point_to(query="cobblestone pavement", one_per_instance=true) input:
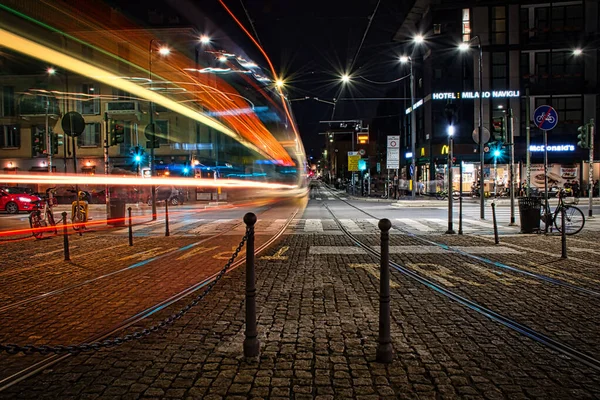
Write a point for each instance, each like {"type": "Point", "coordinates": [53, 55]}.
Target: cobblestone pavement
{"type": "Point", "coordinates": [318, 330]}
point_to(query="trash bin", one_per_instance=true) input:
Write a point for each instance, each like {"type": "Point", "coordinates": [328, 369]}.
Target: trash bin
{"type": "Point", "coordinates": [529, 210]}
{"type": "Point", "coordinates": [117, 212]}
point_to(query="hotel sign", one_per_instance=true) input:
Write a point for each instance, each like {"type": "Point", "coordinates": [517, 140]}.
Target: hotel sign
{"type": "Point", "coordinates": [495, 94]}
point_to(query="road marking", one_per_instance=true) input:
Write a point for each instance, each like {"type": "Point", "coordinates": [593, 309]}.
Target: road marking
{"type": "Point", "coordinates": [373, 269]}
{"type": "Point", "coordinates": [318, 198]}
{"type": "Point", "coordinates": [279, 255]}
{"type": "Point", "coordinates": [414, 224]}
{"type": "Point", "coordinates": [336, 250]}
{"type": "Point", "coordinates": [141, 225]}
{"type": "Point", "coordinates": [216, 225]}
{"type": "Point", "coordinates": [313, 225]}
{"type": "Point", "coordinates": [439, 273]}
{"type": "Point", "coordinates": [196, 251]}
{"type": "Point", "coordinates": [350, 225]}
{"type": "Point", "coordinates": [153, 252]}
{"type": "Point", "coordinates": [417, 249]}
{"type": "Point", "coordinates": [51, 252]}
{"type": "Point", "coordinates": [226, 255]}
{"type": "Point", "coordinates": [177, 225]}
{"type": "Point", "coordinates": [275, 226]}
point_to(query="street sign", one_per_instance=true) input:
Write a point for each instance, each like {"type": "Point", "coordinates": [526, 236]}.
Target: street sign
{"type": "Point", "coordinates": [486, 149]}
{"type": "Point", "coordinates": [412, 170]}
{"type": "Point", "coordinates": [362, 152]}
{"type": "Point", "coordinates": [73, 124]}
{"type": "Point", "coordinates": [393, 152]}
{"type": "Point", "coordinates": [353, 158]}
{"type": "Point", "coordinates": [545, 118]}
{"type": "Point", "coordinates": [486, 135]}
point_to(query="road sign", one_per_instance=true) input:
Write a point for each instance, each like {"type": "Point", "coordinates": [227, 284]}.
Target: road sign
{"type": "Point", "coordinates": [393, 142]}
{"type": "Point", "coordinates": [393, 152]}
{"type": "Point", "coordinates": [73, 124]}
{"type": "Point", "coordinates": [545, 118]}
{"type": "Point", "coordinates": [412, 170]}
{"type": "Point", "coordinates": [486, 135]}
{"type": "Point", "coordinates": [486, 149]}
{"type": "Point", "coordinates": [353, 158]}
{"type": "Point", "coordinates": [362, 152]}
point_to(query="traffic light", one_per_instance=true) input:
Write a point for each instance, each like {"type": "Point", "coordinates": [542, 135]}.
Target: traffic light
{"type": "Point", "coordinates": [362, 137]}
{"type": "Point", "coordinates": [138, 154]}
{"type": "Point", "coordinates": [117, 133]}
{"type": "Point", "coordinates": [583, 138]}
{"type": "Point", "coordinates": [155, 143]}
{"type": "Point", "coordinates": [57, 140]}
{"type": "Point", "coordinates": [499, 129]}
{"type": "Point", "coordinates": [38, 142]}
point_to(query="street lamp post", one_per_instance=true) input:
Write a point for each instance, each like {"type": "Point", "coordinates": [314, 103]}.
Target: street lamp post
{"type": "Point", "coordinates": [465, 46]}
{"type": "Point", "coordinates": [413, 126]}
{"type": "Point", "coordinates": [450, 179]}
{"type": "Point", "coordinates": [51, 71]}
{"type": "Point", "coordinates": [162, 51]}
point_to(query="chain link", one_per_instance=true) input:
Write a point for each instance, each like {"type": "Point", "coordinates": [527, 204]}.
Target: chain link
{"type": "Point", "coordinates": [116, 341]}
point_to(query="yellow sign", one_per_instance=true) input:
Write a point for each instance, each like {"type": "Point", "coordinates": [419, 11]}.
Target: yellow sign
{"type": "Point", "coordinates": [422, 151]}
{"type": "Point", "coordinates": [445, 149]}
{"type": "Point", "coordinates": [353, 158]}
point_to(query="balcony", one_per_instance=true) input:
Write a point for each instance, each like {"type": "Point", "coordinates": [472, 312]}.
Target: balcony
{"type": "Point", "coordinates": [124, 107]}
{"type": "Point", "coordinates": [35, 106]}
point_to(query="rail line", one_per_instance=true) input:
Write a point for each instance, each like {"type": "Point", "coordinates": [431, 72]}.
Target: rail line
{"type": "Point", "coordinates": [484, 260]}
{"type": "Point", "coordinates": [494, 316]}
{"type": "Point", "coordinates": [54, 359]}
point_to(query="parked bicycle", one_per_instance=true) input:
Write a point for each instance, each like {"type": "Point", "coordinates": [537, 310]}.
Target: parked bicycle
{"type": "Point", "coordinates": [79, 212]}
{"type": "Point", "coordinates": [574, 217]}
{"type": "Point", "coordinates": [42, 216]}
{"type": "Point", "coordinates": [443, 195]}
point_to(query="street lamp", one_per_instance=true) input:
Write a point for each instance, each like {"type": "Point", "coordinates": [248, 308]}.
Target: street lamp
{"type": "Point", "coordinates": [418, 39]}
{"type": "Point", "coordinates": [496, 155]}
{"type": "Point", "coordinates": [463, 47]}
{"type": "Point", "coordinates": [50, 71]}
{"type": "Point", "coordinates": [204, 39]}
{"type": "Point", "coordinates": [451, 131]}
{"type": "Point", "coordinates": [577, 52]}
{"type": "Point", "coordinates": [345, 78]}
{"type": "Point", "coordinates": [413, 121]}
{"type": "Point", "coordinates": [279, 83]}
{"type": "Point", "coordinates": [163, 51]}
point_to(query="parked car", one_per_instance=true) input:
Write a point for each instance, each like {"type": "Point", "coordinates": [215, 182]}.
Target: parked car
{"type": "Point", "coordinates": [14, 203]}
{"type": "Point", "coordinates": [170, 193]}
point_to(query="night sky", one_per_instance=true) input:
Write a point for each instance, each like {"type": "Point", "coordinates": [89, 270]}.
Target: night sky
{"type": "Point", "coordinates": [312, 42]}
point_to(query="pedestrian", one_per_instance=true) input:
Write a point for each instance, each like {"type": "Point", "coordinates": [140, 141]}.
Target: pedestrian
{"type": "Point", "coordinates": [395, 186]}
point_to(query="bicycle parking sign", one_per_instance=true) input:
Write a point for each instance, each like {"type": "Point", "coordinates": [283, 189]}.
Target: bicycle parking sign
{"type": "Point", "coordinates": [545, 118]}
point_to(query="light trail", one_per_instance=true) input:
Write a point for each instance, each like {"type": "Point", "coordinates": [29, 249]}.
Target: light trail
{"type": "Point", "coordinates": [136, 181]}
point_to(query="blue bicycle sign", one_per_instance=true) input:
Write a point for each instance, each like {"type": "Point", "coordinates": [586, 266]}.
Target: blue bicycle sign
{"type": "Point", "coordinates": [545, 118]}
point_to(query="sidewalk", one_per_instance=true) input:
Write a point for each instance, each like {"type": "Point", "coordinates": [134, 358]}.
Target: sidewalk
{"type": "Point", "coordinates": [318, 323]}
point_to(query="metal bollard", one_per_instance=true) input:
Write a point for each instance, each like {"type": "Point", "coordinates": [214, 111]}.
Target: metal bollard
{"type": "Point", "coordinates": [385, 351]}
{"type": "Point", "coordinates": [130, 227]}
{"type": "Point", "coordinates": [66, 237]}
{"type": "Point", "coordinates": [495, 224]}
{"type": "Point", "coordinates": [167, 218]}
{"type": "Point", "coordinates": [251, 343]}
{"type": "Point", "coordinates": [563, 238]}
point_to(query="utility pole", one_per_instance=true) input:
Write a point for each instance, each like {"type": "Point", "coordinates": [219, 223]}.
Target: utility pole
{"type": "Point", "coordinates": [591, 170]}
{"type": "Point", "coordinates": [106, 160]}
{"type": "Point", "coordinates": [527, 142]}
{"type": "Point", "coordinates": [511, 168]}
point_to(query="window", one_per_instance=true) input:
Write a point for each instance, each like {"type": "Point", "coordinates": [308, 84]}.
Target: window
{"type": "Point", "coordinates": [542, 65]}
{"type": "Point", "coordinates": [499, 70]}
{"type": "Point", "coordinates": [565, 65]}
{"type": "Point", "coordinates": [163, 125]}
{"type": "Point", "coordinates": [121, 94]}
{"type": "Point", "coordinates": [91, 135]}
{"type": "Point", "coordinates": [466, 24]}
{"type": "Point", "coordinates": [569, 109]}
{"type": "Point", "coordinates": [10, 136]}
{"type": "Point", "coordinates": [567, 18]}
{"type": "Point", "coordinates": [8, 102]}
{"type": "Point", "coordinates": [499, 25]}
{"type": "Point", "coordinates": [541, 23]}
{"type": "Point", "coordinates": [524, 66]}
{"type": "Point", "coordinates": [90, 103]}
{"type": "Point", "coordinates": [524, 24]}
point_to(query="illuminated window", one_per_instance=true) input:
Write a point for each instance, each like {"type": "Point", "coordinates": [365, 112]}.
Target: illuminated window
{"type": "Point", "coordinates": [90, 103]}
{"type": "Point", "coordinates": [90, 136]}
{"type": "Point", "coordinates": [499, 25]}
{"type": "Point", "coordinates": [466, 24]}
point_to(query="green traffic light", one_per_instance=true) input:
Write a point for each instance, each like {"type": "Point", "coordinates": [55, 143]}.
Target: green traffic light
{"type": "Point", "coordinates": [496, 153]}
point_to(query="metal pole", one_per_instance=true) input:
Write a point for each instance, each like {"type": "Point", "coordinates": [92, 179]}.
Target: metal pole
{"type": "Point", "coordinates": [151, 110]}
{"type": "Point", "coordinates": [495, 175]}
{"type": "Point", "coordinates": [511, 168]}
{"type": "Point", "coordinates": [481, 154]}
{"type": "Point", "coordinates": [106, 160]}
{"type": "Point", "coordinates": [527, 142]}
{"type": "Point", "coordinates": [385, 351]}
{"type": "Point", "coordinates": [251, 344]}
{"type": "Point", "coordinates": [563, 238]}
{"type": "Point", "coordinates": [413, 130]}
{"type": "Point", "coordinates": [130, 227]}
{"type": "Point", "coordinates": [591, 171]}
{"type": "Point", "coordinates": [450, 187]}
{"type": "Point", "coordinates": [547, 213]}
{"type": "Point", "coordinates": [65, 237]}
{"type": "Point", "coordinates": [167, 233]}
{"type": "Point", "coordinates": [48, 137]}
{"type": "Point", "coordinates": [460, 199]}
{"type": "Point", "coordinates": [496, 240]}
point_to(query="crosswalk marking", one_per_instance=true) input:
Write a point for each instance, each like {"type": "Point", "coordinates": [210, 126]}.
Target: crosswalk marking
{"type": "Point", "coordinates": [350, 225]}
{"type": "Point", "coordinates": [177, 225]}
{"type": "Point", "coordinates": [138, 227]}
{"type": "Point", "coordinates": [313, 225]}
{"type": "Point", "coordinates": [216, 225]}
{"type": "Point", "coordinates": [414, 224]}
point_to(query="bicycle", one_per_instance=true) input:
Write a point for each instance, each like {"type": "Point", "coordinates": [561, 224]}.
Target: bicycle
{"type": "Point", "coordinates": [443, 195]}
{"type": "Point", "coordinates": [79, 212]}
{"type": "Point", "coordinates": [42, 215]}
{"type": "Point", "coordinates": [574, 217]}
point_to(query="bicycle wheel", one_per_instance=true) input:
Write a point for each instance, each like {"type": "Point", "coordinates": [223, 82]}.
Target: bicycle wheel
{"type": "Point", "coordinates": [574, 220]}
{"type": "Point", "coordinates": [78, 220]}
{"type": "Point", "coordinates": [51, 221]}
{"type": "Point", "coordinates": [440, 195]}
{"type": "Point", "coordinates": [36, 224]}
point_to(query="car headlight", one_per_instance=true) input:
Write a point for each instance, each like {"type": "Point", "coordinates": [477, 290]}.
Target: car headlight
{"type": "Point", "coordinates": [25, 199]}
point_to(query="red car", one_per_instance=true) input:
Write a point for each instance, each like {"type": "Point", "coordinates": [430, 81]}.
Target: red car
{"type": "Point", "coordinates": [13, 203]}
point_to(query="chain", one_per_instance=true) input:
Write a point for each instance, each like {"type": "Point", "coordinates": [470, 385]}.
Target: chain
{"type": "Point", "coordinates": [116, 341]}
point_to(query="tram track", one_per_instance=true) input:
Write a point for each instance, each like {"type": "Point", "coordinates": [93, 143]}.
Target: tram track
{"type": "Point", "coordinates": [484, 260]}
{"type": "Point", "coordinates": [49, 361]}
{"type": "Point", "coordinates": [533, 334]}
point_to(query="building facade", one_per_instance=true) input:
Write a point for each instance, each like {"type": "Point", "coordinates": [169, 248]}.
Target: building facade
{"type": "Point", "coordinates": [534, 54]}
